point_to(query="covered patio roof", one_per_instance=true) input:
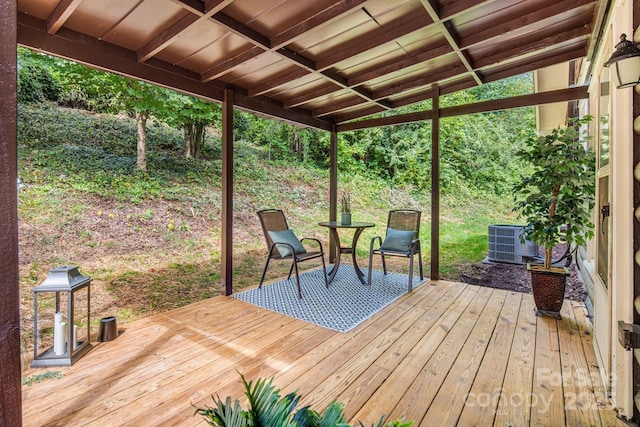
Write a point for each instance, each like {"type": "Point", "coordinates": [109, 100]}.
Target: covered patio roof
{"type": "Point", "coordinates": [316, 63]}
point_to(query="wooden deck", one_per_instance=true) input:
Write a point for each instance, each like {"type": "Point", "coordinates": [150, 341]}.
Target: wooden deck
{"type": "Point", "coordinates": [447, 354]}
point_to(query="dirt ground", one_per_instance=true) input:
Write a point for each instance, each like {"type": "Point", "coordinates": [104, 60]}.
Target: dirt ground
{"type": "Point", "coordinates": [515, 277]}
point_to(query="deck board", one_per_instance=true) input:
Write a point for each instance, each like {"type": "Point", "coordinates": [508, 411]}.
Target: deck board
{"type": "Point", "coordinates": [446, 354]}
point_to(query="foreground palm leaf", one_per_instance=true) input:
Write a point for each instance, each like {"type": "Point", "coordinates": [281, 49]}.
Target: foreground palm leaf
{"type": "Point", "coordinates": [267, 409]}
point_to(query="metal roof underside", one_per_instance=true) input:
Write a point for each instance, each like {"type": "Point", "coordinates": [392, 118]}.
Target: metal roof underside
{"type": "Point", "coordinates": [313, 62]}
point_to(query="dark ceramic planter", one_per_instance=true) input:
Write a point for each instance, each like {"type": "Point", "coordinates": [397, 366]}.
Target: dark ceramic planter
{"type": "Point", "coordinates": [548, 289]}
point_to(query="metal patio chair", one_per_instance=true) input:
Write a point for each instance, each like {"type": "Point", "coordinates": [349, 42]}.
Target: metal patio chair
{"type": "Point", "coordinates": [284, 245]}
{"type": "Point", "coordinates": [402, 239]}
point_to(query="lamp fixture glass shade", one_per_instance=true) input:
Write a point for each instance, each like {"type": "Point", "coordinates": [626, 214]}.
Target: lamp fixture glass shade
{"type": "Point", "coordinates": [625, 62]}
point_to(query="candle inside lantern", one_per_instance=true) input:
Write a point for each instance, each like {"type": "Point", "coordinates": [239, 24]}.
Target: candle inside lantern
{"type": "Point", "coordinates": [58, 335]}
{"type": "Point", "coordinates": [75, 336]}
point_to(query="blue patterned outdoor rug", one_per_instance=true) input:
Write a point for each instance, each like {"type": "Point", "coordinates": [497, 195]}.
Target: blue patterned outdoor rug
{"type": "Point", "coordinates": [342, 307]}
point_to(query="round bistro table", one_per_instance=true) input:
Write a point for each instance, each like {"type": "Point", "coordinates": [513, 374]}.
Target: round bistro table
{"type": "Point", "coordinates": [333, 227]}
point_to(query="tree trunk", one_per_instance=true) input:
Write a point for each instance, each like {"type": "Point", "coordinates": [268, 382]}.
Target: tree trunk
{"type": "Point", "coordinates": [548, 251]}
{"type": "Point", "coordinates": [198, 140]}
{"type": "Point", "coordinates": [188, 139]}
{"type": "Point", "coordinates": [141, 160]}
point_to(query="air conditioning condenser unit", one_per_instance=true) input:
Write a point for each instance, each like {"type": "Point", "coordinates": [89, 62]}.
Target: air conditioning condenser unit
{"type": "Point", "coordinates": [505, 245]}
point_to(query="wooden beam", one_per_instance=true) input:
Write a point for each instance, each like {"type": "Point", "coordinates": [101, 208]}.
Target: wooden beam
{"type": "Point", "coordinates": [426, 54]}
{"type": "Point", "coordinates": [60, 14]}
{"type": "Point", "coordinates": [318, 20]}
{"type": "Point", "coordinates": [550, 97]}
{"type": "Point", "coordinates": [560, 95]}
{"type": "Point", "coordinates": [275, 83]}
{"type": "Point", "coordinates": [172, 33]}
{"type": "Point", "coordinates": [535, 43]}
{"type": "Point", "coordinates": [388, 34]}
{"type": "Point", "coordinates": [226, 258]}
{"type": "Point", "coordinates": [108, 57]}
{"type": "Point", "coordinates": [229, 64]}
{"type": "Point", "coordinates": [10, 367]}
{"type": "Point", "coordinates": [333, 191]}
{"type": "Point", "coordinates": [435, 187]}
{"type": "Point", "coordinates": [452, 38]}
{"type": "Point", "coordinates": [556, 8]}
{"type": "Point", "coordinates": [165, 38]}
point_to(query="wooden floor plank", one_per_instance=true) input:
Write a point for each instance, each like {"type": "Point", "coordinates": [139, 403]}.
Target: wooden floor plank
{"type": "Point", "coordinates": [382, 353]}
{"type": "Point", "coordinates": [429, 378]}
{"type": "Point", "coordinates": [580, 403]}
{"type": "Point", "coordinates": [547, 374]}
{"type": "Point", "coordinates": [420, 356]}
{"type": "Point", "coordinates": [384, 399]}
{"type": "Point", "coordinates": [481, 403]}
{"type": "Point", "coordinates": [452, 395]}
{"type": "Point", "coordinates": [516, 397]}
{"type": "Point", "coordinates": [585, 327]}
{"type": "Point", "coordinates": [354, 394]}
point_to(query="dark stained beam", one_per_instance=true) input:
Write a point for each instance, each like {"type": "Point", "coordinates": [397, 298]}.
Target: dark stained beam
{"type": "Point", "coordinates": [399, 119]}
{"type": "Point", "coordinates": [520, 21]}
{"type": "Point", "coordinates": [425, 55]}
{"type": "Point", "coordinates": [452, 38]}
{"type": "Point", "coordinates": [226, 257]}
{"type": "Point", "coordinates": [453, 8]}
{"type": "Point", "coordinates": [527, 66]}
{"type": "Point", "coordinates": [388, 34]}
{"type": "Point", "coordinates": [193, 6]}
{"type": "Point", "coordinates": [165, 38]}
{"type": "Point", "coordinates": [263, 42]}
{"type": "Point", "coordinates": [108, 57]}
{"type": "Point", "coordinates": [320, 19]}
{"type": "Point", "coordinates": [531, 44]}
{"type": "Point", "coordinates": [334, 107]}
{"type": "Point", "coordinates": [561, 95]}
{"type": "Point", "coordinates": [435, 187]}
{"type": "Point", "coordinates": [10, 367]}
{"type": "Point", "coordinates": [333, 191]}
{"type": "Point", "coordinates": [224, 67]}
{"type": "Point", "coordinates": [242, 30]}
{"type": "Point", "coordinates": [309, 96]}
{"type": "Point", "coordinates": [60, 14]}
{"type": "Point", "coordinates": [426, 79]}
{"type": "Point", "coordinates": [274, 84]}
{"type": "Point", "coordinates": [357, 113]}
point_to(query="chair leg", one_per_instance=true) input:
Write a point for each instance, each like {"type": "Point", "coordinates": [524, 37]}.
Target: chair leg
{"type": "Point", "coordinates": [295, 264]}
{"type": "Point", "coordinates": [420, 263]}
{"type": "Point", "coordinates": [384, 265]}
{"type": "Point", "coordinates": [370, 267]}
{"type": "Point", "coordinates": [264, 272]}
{"type": "Point", "coordinates": [291, 269]}
{"type": "Point", "coordinates": [411, 272]}
{"type": "Point", "coordinates": [324, 272]}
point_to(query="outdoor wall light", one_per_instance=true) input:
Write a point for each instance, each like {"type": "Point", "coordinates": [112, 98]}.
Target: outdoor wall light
{"type": "Point", "coordinates": [625, 63]}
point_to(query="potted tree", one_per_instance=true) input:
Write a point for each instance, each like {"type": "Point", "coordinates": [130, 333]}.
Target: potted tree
{"type": "Point", "coordinates": [556, 200]}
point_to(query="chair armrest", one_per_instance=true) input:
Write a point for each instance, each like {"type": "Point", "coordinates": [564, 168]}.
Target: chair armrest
{"type": "Point", "coordinates": [373, 239]}
{"type": "Point", "coordinates": [414, 245]}
{"type": "Point", "coordinates": [313, 240]}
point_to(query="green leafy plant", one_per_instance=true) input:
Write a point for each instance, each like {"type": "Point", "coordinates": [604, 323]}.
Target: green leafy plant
{"type": "Point", "coordinates": [559, 195]}
{"type": "Point", "coordinates": [268, 409]}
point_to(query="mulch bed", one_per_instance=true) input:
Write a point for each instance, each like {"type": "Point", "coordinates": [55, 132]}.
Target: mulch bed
{"type": "Point", "coordinates": [516, 278]}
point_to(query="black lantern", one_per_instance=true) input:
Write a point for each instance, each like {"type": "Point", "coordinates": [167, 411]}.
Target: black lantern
{"type": "Point", "coordinates": [71, 331]}
{"type": "Point", "coordinates": [625, 62]}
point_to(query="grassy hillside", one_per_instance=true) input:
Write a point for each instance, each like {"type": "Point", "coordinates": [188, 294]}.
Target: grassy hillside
{"type": "Point", "coordinates": [151, 241]}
